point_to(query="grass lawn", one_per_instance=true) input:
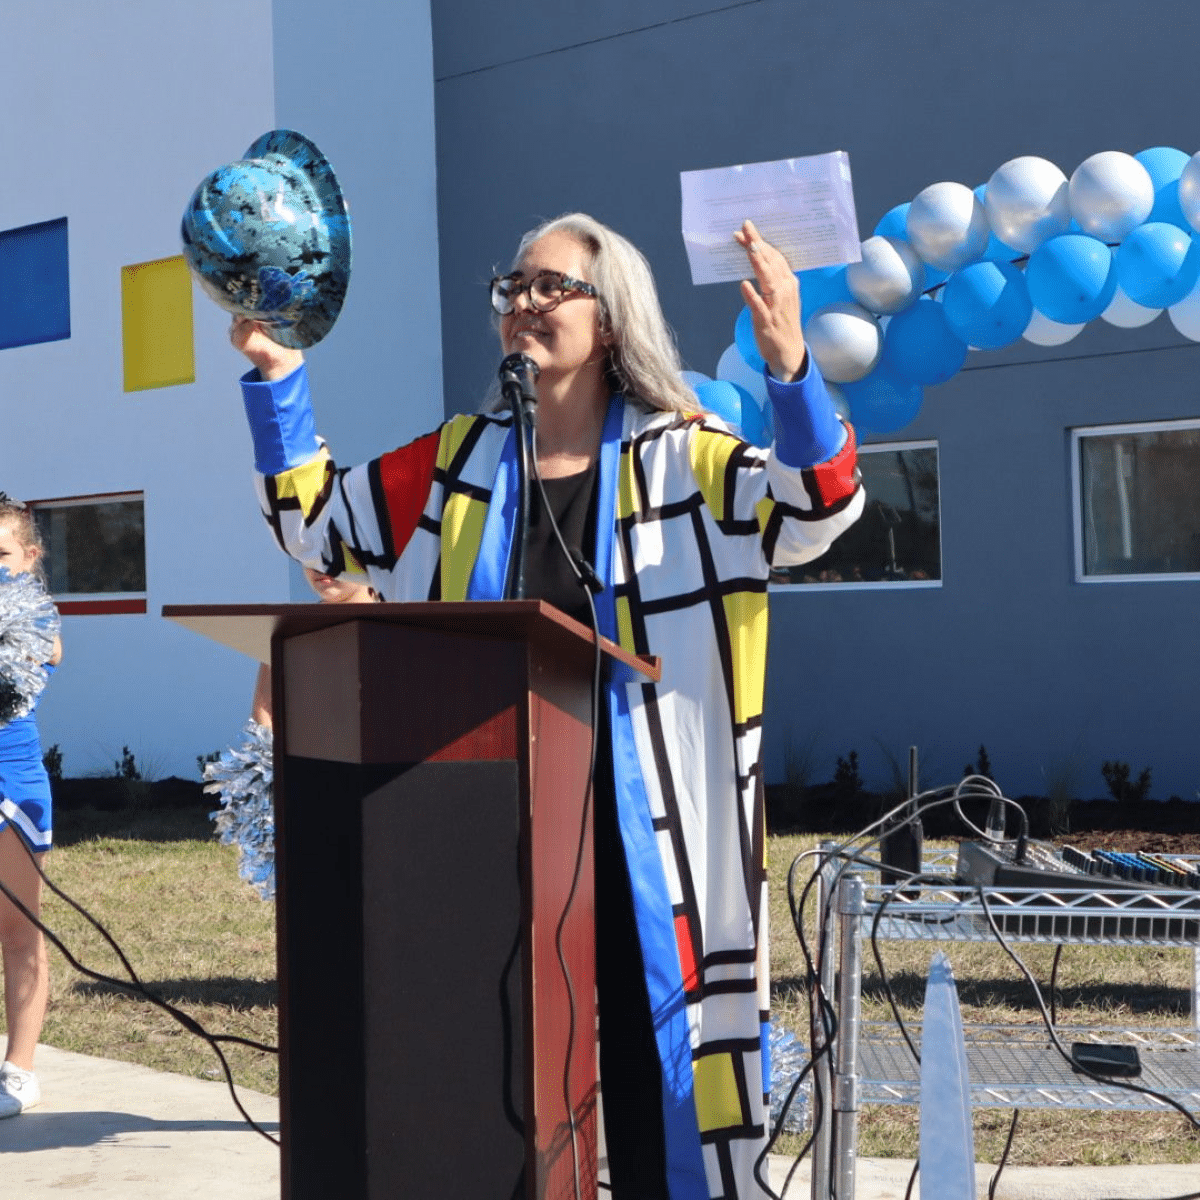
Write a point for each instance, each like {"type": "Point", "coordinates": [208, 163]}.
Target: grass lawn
{"type": "Point", "coordinates": [196, 935]}
{"type": "Point", "coordinates": [199, 937]}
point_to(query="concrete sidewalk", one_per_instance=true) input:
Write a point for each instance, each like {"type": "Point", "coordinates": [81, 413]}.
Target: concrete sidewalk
{"type": "Point", "coordinates": [113, 1129]}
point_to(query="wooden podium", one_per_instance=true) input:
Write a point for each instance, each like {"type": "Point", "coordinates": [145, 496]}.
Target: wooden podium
{"type": "Point", "coordinates": [435, 919]}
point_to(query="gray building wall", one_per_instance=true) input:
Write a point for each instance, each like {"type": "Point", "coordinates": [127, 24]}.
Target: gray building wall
{"type": "Point", "coordinates": [545, 106]}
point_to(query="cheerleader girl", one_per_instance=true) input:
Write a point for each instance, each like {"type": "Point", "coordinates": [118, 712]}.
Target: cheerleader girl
{"type": "Point", "coordinates": [25, 817]}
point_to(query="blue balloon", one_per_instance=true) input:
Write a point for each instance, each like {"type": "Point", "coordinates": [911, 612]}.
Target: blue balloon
{"type": "Point", "coordinates": [821, 286]}
{"type": "Point", "coordinates": [894, 222]}
{"type": "Point", "coordinates": [1157, 264]}
{"type": "Point", "coordinates": [919, 346]}
{"type": "Point", "coordinates": [754, 422]}
{"type": "Point", "coordinates": [882, 403]}
{"type": "Point", "coordinates": [987, 304]}
{"type": "Point", "coordinates": [1164, 164]}
{"type": "Point", "coordinates": [1071, 278]}
{"type": "Point", "coordinates": [996, 250]}
{"type": "Point", "coordinates": [722, 398]}
{"type": "Point", "coordinates": [743, 336]}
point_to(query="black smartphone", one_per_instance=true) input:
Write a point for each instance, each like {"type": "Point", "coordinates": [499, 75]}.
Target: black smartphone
{"type": "Point", "coordinates": [1106, 1059]}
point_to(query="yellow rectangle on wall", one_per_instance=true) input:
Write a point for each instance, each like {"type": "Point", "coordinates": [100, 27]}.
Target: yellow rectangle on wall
{"type": "Point", "coordinates": [156, 315]}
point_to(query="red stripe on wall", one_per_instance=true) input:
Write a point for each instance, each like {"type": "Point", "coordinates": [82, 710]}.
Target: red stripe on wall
{"type": "Point", "coordinates": [84, 608]}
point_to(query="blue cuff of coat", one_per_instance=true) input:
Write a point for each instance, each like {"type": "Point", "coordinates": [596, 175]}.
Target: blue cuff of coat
{"type": "Point", "coordinates": [807, 427]}
{"type": "Point", "coordinates": [281, 421]}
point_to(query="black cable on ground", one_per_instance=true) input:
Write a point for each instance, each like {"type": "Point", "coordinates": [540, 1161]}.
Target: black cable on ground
{"type": "Point", "coordinates": [135, 984]}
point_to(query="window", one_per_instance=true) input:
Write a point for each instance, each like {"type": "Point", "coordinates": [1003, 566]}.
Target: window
{"type": "Point", "coordinates": [95, 552]}
{"type": "Point", "coordinates": [1137, 501]}
{"type": "Point", "coordinates": [897, 540]}
{"type": "Point", "coordinates": [35, 294]}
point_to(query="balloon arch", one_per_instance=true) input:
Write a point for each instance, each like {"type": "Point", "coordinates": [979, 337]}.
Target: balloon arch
{"type": "Point", "coordinates": [1030, 254]}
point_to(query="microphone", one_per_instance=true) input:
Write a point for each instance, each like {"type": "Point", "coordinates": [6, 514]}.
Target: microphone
{"type": "Point", "coordinates": [521, 372]}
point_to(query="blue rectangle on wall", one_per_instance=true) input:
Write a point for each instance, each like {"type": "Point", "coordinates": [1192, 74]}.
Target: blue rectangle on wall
{"type": "Point", "coordinates": [35, 293]}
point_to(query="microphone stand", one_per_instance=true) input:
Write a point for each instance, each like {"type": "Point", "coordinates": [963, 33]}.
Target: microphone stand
{"type": "Point", "coordinates": [517, 375]}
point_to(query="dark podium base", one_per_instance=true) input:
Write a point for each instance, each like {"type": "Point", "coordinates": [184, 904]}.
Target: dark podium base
{"type": "Point", "coordinates": [410, 1017]}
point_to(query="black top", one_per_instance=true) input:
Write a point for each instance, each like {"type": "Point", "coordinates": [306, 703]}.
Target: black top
{"type": "Point", "coordinates": [548, 575]}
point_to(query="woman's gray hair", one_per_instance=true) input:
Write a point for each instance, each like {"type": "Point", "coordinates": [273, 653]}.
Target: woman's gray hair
{"type": "Point", "coordinates": [643, 361]}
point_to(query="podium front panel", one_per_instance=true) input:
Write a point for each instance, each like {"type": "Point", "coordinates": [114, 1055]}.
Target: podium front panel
{"type": "Point", "coordinates": [436, 916]}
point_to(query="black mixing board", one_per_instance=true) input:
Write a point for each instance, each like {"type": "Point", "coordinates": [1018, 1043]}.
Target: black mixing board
{"type": "Point", "coordinates": [1100, 893]}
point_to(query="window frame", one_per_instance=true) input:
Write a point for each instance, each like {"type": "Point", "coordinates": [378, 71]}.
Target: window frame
{"type": "Point", "coordinates": [1078, 434]}
{"type": "Point", "coordinates": [876, 585]}
{"type": "Point", "coordinates": [97, 603]}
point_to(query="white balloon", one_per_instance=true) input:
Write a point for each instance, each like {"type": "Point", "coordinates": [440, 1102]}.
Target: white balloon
{"type": "Point", "coordinates": [1042, 331]}
{"type": "Point", "coordinates": [1125, 313]}
{"type": "Point", "coordinates": [1110, 194]}
{"type": "Point", "coordinates": [1185, 315]}
{"type": "Point", "coordinates": [692, 378]}
{"type": "Point", "coordinates": [1027, 201]}
{"type": "Point", "coordinates": [845, 340]}
{"type": "Point", "coordinates": [888, 277]}
{"type": "Point", "coordinates": [1189, 191]}
{"type": "Point", "coordinates": [947, 225]}
{"type": "Point", "coordinates": [733, 367]}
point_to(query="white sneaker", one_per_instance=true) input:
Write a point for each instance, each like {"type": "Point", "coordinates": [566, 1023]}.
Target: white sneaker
{"type": "Point", "coordinates": [18, 1090]}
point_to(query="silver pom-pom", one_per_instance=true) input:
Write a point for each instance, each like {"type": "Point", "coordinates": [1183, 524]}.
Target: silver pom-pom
{"type": "Point", "coordinates": [28, 626]}
{"type": "Point", "coordinates": [242, 777]}
{"type": "Point", "coordinates": [788, 1058]}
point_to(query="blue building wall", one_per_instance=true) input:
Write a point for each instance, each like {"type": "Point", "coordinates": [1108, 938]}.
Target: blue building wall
{"type": "Point", "coordinates": [545, 106]}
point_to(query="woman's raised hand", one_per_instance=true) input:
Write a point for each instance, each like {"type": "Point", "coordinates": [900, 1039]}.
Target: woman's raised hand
{"type": "Point", "coordinates": [272, 360]}
{"type": "Point", "coordinates": [774, 305]}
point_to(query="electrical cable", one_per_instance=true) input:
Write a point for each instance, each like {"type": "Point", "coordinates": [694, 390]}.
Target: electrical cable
{"type": "Point", "coordinates": [1008, 1143]}
{"type": "Point", "coordinates": [188, 1022]}
{"type": "Point", "coordinates": [588, 581]}
{"type": "Point", "coordinates": [1054, 983]}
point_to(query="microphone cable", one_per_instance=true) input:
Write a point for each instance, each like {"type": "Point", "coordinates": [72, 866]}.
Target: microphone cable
{"type": "Point", "coordinates": [586, 577]}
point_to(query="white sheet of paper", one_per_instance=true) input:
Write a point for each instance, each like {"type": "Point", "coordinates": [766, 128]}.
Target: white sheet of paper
{"type": "Point", "coordinates": [805, 206]}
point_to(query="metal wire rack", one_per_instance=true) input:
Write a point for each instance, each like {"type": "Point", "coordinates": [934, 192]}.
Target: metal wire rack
{"type": "Point", "coordinates": [1009, 1066]}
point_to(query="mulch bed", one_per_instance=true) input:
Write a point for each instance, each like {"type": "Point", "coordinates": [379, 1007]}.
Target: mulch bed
{"type": "Point", "coordinates": [1163, 827]}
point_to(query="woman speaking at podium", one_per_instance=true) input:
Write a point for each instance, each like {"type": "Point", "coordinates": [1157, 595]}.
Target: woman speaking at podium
{"type": "Point", "coordinates": [681, 522]}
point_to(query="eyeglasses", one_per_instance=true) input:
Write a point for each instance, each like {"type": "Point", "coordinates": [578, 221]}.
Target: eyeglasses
{"type": "Point", "coordinates": [547, 290]}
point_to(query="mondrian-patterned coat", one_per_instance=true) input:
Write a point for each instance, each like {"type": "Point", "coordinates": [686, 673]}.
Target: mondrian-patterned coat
{"type": "Point", "coordinates": [690, 521]}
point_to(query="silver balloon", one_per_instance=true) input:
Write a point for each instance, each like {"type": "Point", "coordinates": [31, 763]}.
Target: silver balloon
{"type": "Point", "coordinates": [947, 226]}
{"type": "Point", "coordinates": [1042, 331]}
{"type": "Point", "coordinates": [1027, 201]}
{"type": "Point", "coordinates": [845, 340]}
{"type": "Point", "coordinates": [1189, 191]}
{"type": "Point", "coordinates": [1110, 195]}
{"type": "Point", "coordinates": [888, 277]}
{"type": "Point", "coordinates": [1127, 314]}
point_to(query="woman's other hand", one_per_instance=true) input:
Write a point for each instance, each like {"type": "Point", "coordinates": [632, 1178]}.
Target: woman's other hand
{"type": "Point", "coordinates": [272, 360]}
{"type": "Point", "coordinates": [774, 305]}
